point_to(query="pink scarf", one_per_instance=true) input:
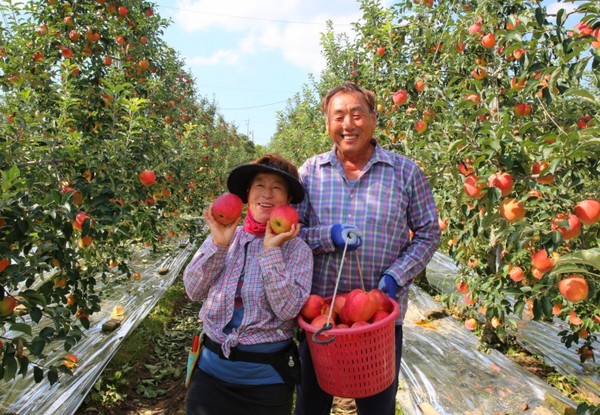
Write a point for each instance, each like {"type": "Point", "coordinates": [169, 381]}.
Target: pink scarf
{"type": "Point", "coordinates": [252, 226]}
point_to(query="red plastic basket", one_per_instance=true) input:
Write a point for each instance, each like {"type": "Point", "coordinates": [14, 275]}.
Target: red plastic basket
{"type": "Point", "coordinates": [359, 362]}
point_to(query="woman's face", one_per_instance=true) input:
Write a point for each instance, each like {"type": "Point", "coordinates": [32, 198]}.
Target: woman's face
{"type": "Point", "coordinates": [267, 191]}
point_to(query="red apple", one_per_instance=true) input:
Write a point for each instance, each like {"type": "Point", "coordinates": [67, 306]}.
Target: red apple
{"type": "Point", "coordinates": [522, 110]}
{"type": "Point", "coordinates": [359, 306]}
{"type": "Point", "coordinates": [338, 303]}
{"type": "Point", "coordinates": [516, 274]}
{"type": "Point", "coordinates": [320, 320]}
{"type": "Point", "coordinates": [359, 324]}
{"type": "Point", "coordinates": [227, 208]}
{"type": "Point", "coordinates": [574, 319]}
{"type": "Point", "coordinates": [80, 220]}
{"type": "Point", "coordinates": [471, 324]}
{"type": "Point", "coordinates": [312, 307]}
{"type": "Point", "coordinates": [475, 30]}
{"type": "Point", "coordinates": [428, 115]}
{"type": "Point", "coordinates": [556, 309]}
{"type": "Point", "coordinates": [7, 305]}
{"type": "Point", "coordinates": [282, 218]}
{"type": "Point", "coordinates": [4, 262]}
{"type": "Point", "coordinates": [465, 167]}
{"type": "Point", "coordinates": [583, 122]}
{"type": "Point", "coordinates": [479, 73]}
{"type": "Point", "coordinates": [542, 261]}
{"type": "Point", "coordinates": [588, 211]}
{"type": "Point", "coordinates": [379, 315]}
{"type": "Point", "coordinates": [326, 309]}
{"type": "Point", "coordinates": [536, 171]}
{"type": "Point", "coordinates": [382, 301]}
{"type": "Point", "coordinates": [147, 177]}
{"type": "Point", "coordinates": [474, 187]}
{"type": "Point", "coordinates": [462, 286]}
{"type": "Point", "coordinates": [443, 223]}
{"type": "Point", "coordinates": [400, 97]}
{"type": "Point", "coordinates": [573, 228]}
{"type": "Point", "coordinates": [421, 126]}
{"type": "Point", "coordinates": [473, 97]}
{"type": "Point", "coordinates": [85, 241]}
{"type": "Point", "coordinates": [512, 210]}
{"type": "Point", "coordinates": [66, 52]}
{"type": "Point", "coordinates": [574, 288]}
{"type": "Point", "coordinates": [419, 85]}
{"type": "Point", "coordinates": [502, 181]}
{"type": "Point", "coordinates": [488, 41]}
{"type": "Point", "coordinates": [74, 35]}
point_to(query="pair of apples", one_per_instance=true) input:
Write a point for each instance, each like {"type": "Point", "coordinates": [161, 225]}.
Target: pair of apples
{"type": "Point", "coordinates": [228, 207]}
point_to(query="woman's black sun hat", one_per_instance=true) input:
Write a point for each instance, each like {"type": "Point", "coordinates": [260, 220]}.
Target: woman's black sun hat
{"type": "Point", "coordinates": [240, 178]}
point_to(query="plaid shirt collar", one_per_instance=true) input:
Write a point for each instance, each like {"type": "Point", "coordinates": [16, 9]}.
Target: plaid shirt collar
{"type": "Point", "coordinates": [378, 156]}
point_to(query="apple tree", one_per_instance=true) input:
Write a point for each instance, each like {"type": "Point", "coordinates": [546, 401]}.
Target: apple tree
{"type": "Point", "coordinates": [498, 103]}
{"type": "Point", "coordinates": [106, 148]}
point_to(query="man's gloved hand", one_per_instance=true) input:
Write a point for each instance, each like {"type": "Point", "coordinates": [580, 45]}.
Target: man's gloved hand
{"type": "Point", "coordinates": [340, 234]}
{"type": "Point", "coordinates": [389, 286]}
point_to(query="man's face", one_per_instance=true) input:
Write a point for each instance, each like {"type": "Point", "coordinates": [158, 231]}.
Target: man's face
{"type": "Point", "coordinates": [349, 122]}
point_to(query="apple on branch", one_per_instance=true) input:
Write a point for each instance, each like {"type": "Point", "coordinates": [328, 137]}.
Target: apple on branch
{"type": "Point", "coordinates": [574, 288]}
{"type": "Point", "coordinates": [227, 208]}
{"type": "Point", "coordinates": [147, 177]}
{"type": "Point", "coordinates": [588, 211]}
{"type": "Point", "coordinates": [282, 218]}
{"type": "Point", "coordinates": [400, 97]}
{"type": "Point", "coordinates": [7, 305]}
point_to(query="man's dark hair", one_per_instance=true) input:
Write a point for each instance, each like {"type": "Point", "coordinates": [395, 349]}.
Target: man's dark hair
{"type": "Point", "coordinates": [349, 87]}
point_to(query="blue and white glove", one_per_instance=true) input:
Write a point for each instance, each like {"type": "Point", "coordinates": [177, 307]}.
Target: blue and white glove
{"type": "Point", "coordinates": [389, 286]}
{"type": "Point", "coordinates": [342, 234]}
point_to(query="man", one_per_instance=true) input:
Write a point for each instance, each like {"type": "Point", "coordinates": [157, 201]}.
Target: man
{"type": "Point", "coordinates": [364, 196]}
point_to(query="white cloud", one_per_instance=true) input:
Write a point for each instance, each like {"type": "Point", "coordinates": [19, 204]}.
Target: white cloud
{"type": "Point", "coordinates": [553, 8]}
{"type": "Point", "coordinates": [220, 57]}
{"type": "Point", "coordinates": [292, 27]}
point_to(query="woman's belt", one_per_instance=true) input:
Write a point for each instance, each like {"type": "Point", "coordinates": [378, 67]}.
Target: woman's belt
{"type": "Point", "coordinates": [286, 362]}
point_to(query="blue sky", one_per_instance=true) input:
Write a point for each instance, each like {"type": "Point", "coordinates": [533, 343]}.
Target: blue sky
{"type": "Point", "coordinates": [250, 56]}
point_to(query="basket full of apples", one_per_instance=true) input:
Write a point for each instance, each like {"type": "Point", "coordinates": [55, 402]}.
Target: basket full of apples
{"type": "Point", "coordinates": [351, 338]}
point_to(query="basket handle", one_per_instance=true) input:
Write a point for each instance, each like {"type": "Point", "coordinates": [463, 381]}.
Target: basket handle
{"type": "Point", "coordinates": [337, 280]}
{"type": "Point", "coordinates": [326, 326]}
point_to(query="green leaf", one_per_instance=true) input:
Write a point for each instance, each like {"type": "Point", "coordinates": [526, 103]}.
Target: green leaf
{"type": "Point", "coordinates": [22, 327]}
{"type": "Point", "coordinates": [569, 269]}
{"type": "Point", "coordinates": [10, 368]}
{"type": "Point", "coordinates": [519, 306]}
{"type": "Point", "coordinates": [35, 314]}
{"type": "Point", "coordinates": [559, 17]}
{"type": "Point", "coordinates": [23, 365]}
{"type": "Point", "coordinates": [582, 93]}
{"type": "Point", "coordinates": [52, 376]}
{"type": "Point", "coordinates": [37, 345]}
{"type": "Point", "coordinates": [590, 257]}
{"type": "Point", "coordinates": [537, 309]}
{"type": "Point", "coordinates": [547, 306]}
{"type": "Point", "coordinates": [38, 374]}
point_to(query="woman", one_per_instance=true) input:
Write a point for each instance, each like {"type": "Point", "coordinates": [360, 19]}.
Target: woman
{"type": "Point", "coordinates": [252, 283]}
